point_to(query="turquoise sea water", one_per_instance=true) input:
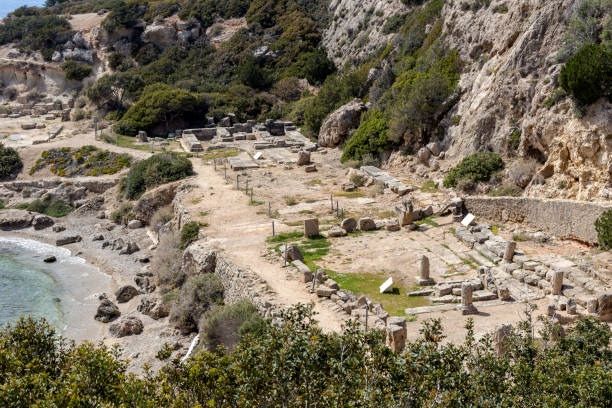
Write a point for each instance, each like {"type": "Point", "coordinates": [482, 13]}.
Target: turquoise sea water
{"type": "Point", "coordinates": [64, 292]}
{"type": "Point", "coordinates": [6, 6]}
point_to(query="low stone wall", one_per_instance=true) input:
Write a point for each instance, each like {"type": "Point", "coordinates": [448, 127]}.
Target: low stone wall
{"type": "Point", "coordinates": [562, 218]}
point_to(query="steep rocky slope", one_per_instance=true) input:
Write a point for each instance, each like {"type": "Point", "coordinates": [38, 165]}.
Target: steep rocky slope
{"type": "Point", "coordinates": [510, 55]}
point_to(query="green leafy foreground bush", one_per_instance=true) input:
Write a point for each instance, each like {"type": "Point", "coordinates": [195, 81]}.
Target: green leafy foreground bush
{"type": "Point", "coordinates": [10, 163]}
{"type": "Point", "coordinates": [475, 167]}
{"type": "Point", "coordinates": [588, 74]}
{"type": "Point", "coordinates": [298, 364]}
{"type": "Point", "coordinates": [158, 169]}
{"type": "Point", "coordinates": [603, 226]}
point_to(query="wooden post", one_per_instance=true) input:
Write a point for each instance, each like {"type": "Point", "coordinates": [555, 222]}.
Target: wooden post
{"type": "Point", "coordinates": [337, 210]}
{"type": "Point", "coordinates": [251, 195]}
{"type": "Point", "coordinates": [237, 176]}
{"type": "Point", "coordinates": [366, 317]}
{"type": "Point", "coordinates": [269, 210]}
{"type": "Point", "coordinates": [331, 199]}
{"type": "Point", "coordinates": [314, 279]}
{"type": "Point", "coordinates": [285, 264]}
{"type": "Point", "coordinates": [272, 228]}
{"type": "Point", "coordinates": [246, 189]}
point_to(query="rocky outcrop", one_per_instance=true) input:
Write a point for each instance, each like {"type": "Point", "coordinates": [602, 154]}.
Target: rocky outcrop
{"type": "Point", "coordinates": [13, 219]}
{"type": "Point", "coordinates": [152, 200]}
{"type": "Point", "coordinates": [336, 127]}
{"type": "Point", "coordinates": [153, 307]}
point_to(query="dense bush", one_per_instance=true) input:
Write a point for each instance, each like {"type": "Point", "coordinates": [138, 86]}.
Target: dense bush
{"type": "Point", "coordinates": [287, 365]}
{"type": "Point", "coordinates": [475, 167]}
{"type": "Point", "coordinates": [161, 105]}
{"type": "Point", "coordinates": [588, 74]}
{"type": "Point", "coordinates": [189, 233]}
{"type": "Point", "coordinates": [167, 262]}
{"type": "Point", "coordinates": [198, 295]}
{"type": "Point", "coordinates": [603, 226]}
{"type": "Point", "coordinates": [84, 161]}
{"type": "Point", "coordinates": [10, 163]}
{"type": "Point", "coordinates": [36, 32]}
{"type": "Point", "coordinates": [370, 138]}
{"type": "Point", "coordinates": [158, 169]}
{"type": "Point", "coordinates": [76, 71]}
{"type": "Point", "coordinates": [53, 207]}
{"type": "Point", "coordinates": [228, 324]}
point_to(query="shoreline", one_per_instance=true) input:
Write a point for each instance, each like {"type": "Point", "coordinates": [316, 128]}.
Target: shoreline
{"type": "Point", "coordinates": [78, 281]}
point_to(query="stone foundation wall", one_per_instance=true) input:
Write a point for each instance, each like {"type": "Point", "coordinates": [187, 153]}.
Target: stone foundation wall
{"type": "Point", "coordinates": [563, 218]}
{"type": "Point", "coordinates": [238, 283]}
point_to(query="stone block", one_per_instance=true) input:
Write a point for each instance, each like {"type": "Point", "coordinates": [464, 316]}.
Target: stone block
{"type": "Point", "coordinates": [367, 224]}
{"type": "Point", "coordinates": [311, 227]}
{"type": "Point", "coordinates": [349, 224]}
{"type": "Point", "coordinates": [323, 291]}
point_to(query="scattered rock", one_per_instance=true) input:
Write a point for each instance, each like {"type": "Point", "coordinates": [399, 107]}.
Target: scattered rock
{"type": "Point", "coordinates": [134, 224]}
{"type": "Point", "coordinates": [13, 219]}
{"type": "Point", "coordinates": [50, 259]}
{"type": "Point", "coordinates": [303, 158]}
{"type": "Point", "coordinates": [127, 326]}
{"type": "Point", "coordinates": [130, 248]}
{"type": "Point", "coordinates": [311, 168]}
{"type": "Point", "coordinates": [367, 224]}
{"type": "Point", "coordinates": [126, 293]}
{"type": "Point", "coordinates": [392, 226]}
{"type": "Point", "coordinates": [59, 228]}
{"type": "Point", "coordinates": [98, 237]}
{"type": "Point", "coordinates": [70, 239]}
{"type": "Point", "coordinates": [42, 222]}
{"type": "Point", "coordinates": [349, 186]}
{"type": "Point", "coordinates": [349, 224]}
{"type": "Point", "coordinates": [107, 311]}
{"type": "Point", "coordinates": [293, 253]}
{"type": "Point", "coordinates": [336, 232]}
{"type": "Point", "coordinates": [153, 307]}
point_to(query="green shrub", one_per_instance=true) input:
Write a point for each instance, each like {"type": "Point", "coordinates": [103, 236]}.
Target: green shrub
{"type": "Point", "coordinates": [123, 214]}
{"type": "Point", "coordinates": [189, 233]}
{"type": "Point", "coordinates": [161, 104]}
{"type": "Point", "coordinates": [588, 74]}
{"type": "Point", "coordinates": [475, 167]}
{"type": "Point", "coordinates": [76, 71]}
{"type": "Point", "coordinates": [506, 190]}
{"type": "Point", "coordinates": [603, 226]}
{"type": "Point", "coordinates": [198, 295]}
{"type": "Point", "coordinates": [370, 138]}
{"type": "Point", "coordinates": [84, 161]}
{"type": "Point", "coordinates": [158, 169]}
{"type": "Point", "coordinates": [53, 207]}
{"type": "Point", "coordinates": [32, 31]}
{"type": "Point", "coordinates": [227, 325]}
{"type": "Point", "coordinates": [10, 162]}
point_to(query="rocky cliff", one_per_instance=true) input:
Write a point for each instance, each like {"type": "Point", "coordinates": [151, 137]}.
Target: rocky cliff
{"type": "Point", "coordinates": [510, 51]}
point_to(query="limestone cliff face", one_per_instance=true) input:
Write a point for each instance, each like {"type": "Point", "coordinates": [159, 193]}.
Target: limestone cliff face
{"type": "Point", "coordinates": [356, 28]}
{"type": "Point", "coordinates": [511, 67]}
{"type": "Point", "coordinates": [510, 53]}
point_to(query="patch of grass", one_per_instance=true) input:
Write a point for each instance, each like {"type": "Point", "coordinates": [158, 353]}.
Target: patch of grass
{"type": "Point", "coordinates": [306, 212]}
{"type": "Point", "coordinates": [520, 237]}
{"type": "Point", "coordinates": [255, 202]}
{"type": "Point", "coordinates": [129, 142]}
{"type": "Point", "coordinates": [429, 186]}
{"type": "Point", "coordinates": [203, 213]}
{"type": "Point", "coordinates": [469, 262]}
{"type": "Point", "coordinates": [220, 154]}
{"type": "Point", "coordinates": [495, 229]}
{"type": "Point", "coordinates": [349, 194]}
{"type": "Point", "coordinates": [313, 182]}
{"type": "Point", "coordinates": [427, 220]}
{"type": "Point", "coordinates": [285, 237]}
{"type": "Point", "coordinates": [1, 204]}
{"type": "Point", "coordinates": [189, 233]}
{"type": "Point", "coordinates": [394, 303]}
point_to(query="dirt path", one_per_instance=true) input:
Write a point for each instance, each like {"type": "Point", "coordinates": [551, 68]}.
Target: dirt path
{"type": "Point", "coordinates": [236, 228]}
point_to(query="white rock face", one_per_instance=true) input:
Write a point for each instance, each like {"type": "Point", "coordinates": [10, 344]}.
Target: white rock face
{"type": "Point", "coordinates": [161, 35]}
{"type": "Point", "coordinates": [337, 125]}
{"type": "Point", "coordinates": [356, 28]}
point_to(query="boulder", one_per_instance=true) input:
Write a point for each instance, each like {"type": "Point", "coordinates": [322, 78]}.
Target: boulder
{"type": "Point", "coordinates": [126, 293]}
{"type": "Point", "coordinates": [392, 226]}
{"type": "Point", "coordinates": [127, 326]}
{"type": "Point", "coordinates": [199, 259]}
{"type": "Point", "coordinates": [69, 239]}
{"type": "Point", "coordinates": [303, 158]}
{"type": "Point", "coordinates": [134, 224]}
{"type": "Point", "coordinates": [12, 219]}
{"type": "Point", "coordinates": [349, 224]}
{"type": "Point", "coordinates": [604, 305]}
{"type": "Point", "coordinates": [367, 224]}
{"type": "Point", "coordinates": [323, 291]}
{"type": "Point", "coordinates": [59, 228]}
{"type": "Point", "coordinates": [423, 155]}
{"type": "Point", "coordinates": [336, 232]}
{"type": "Point", "coordinates": [293, 253]}
{"type": "Point", "coordinates": [336, 127]}
{"type": "Point", "coordinates": [330, 283]}
{"type": "Point", "coordinates": [117, 244]}
{"type": "Point", "coordinates": [310, 168]}
{"type": "Point", "coordinates": [153, 307]}
{"type": "Point", "coordinates": [434, 148]}
{"type": "Point", "coordinates": [50, 259]}
{"type": "Point", "coordinates": [42, 222]}
{"type": "Point", "coordinates": [107, 311]}
{"type": "Point", "coordinates": [159, 34]}
{"type": "Point", "coordinates": [130, 248]}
